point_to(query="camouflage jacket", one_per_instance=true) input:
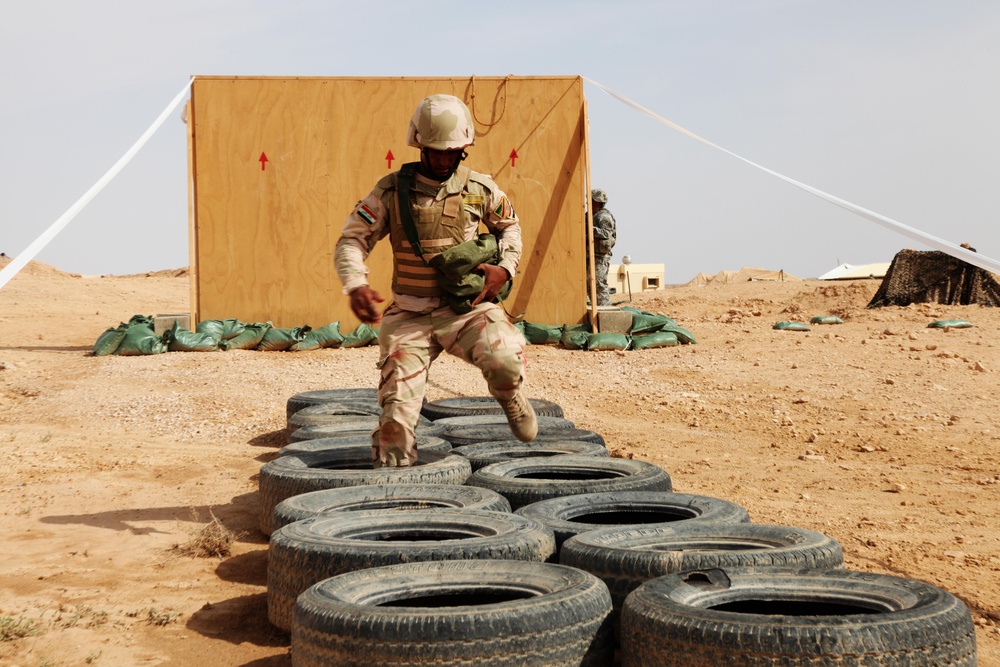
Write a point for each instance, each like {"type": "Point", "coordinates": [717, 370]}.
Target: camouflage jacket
{"type": "Point", "coordinates": [604, 232]}
{"type": "Point", "coordinates": [370, 222]}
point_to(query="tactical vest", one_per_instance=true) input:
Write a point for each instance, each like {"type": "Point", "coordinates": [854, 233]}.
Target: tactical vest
{"type": "Point", "coordinates": [440, 226]}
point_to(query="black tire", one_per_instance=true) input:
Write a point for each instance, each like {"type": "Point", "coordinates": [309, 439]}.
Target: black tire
{"type": "Point", "coordinates": [626, 557]}
{"type": "Point", "coordinates": [352, 424]}
{"type": "Point", "coordinates": [387, 496]}
{"type": "Point", "coordinates": [306, 398]}
{"type": "Point", "coordinates": [477, 436]}
{"type": "Point", "coordinates": [460, 406]}
{"type": "Point", "coordinates": [460, 436]}
{"type": "Point", "coordinates": [485, 453]}
{"type": "Point", "coordinates": [330, 413]}
{"type": "Point", "coordinates": [308, 551]}
{"type": "Point", "coordinates": [498, 613]}
{"type": "Point", "coordinates": [795, 619]}
{"type": "Point", "coordinates": [477, 421]}
{"type": "Point", "coordinates": [367, 423]}
{"type": "Point", "coordinates": [287, 476]}
{"type": "Point", "coordinates": [358, 439]}
{"type": "Point", "coordinates": [526, 481]}
{"type": "Point", "coordinates": [570, 515]}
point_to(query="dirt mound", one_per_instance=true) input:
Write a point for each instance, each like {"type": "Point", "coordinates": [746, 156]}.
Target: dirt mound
{"type": "Point", "coordinates": [843, 300]}
{"type": "Point", "coordinates": [35, 268]}
{"type": "Point", "coordinates": [165, 273]}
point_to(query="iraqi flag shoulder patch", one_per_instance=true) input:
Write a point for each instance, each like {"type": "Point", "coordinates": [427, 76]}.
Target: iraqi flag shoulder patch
{"type": "Point", "coordinates": [367, 214]}
{"type": "Point", "coordinates": [504, 210]}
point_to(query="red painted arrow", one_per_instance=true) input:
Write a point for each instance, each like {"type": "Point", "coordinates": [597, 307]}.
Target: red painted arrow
{"type": "Point", "coordinates": [513, 156]}
{"type": "Point", "coordinates": [263, 161]}
{"type": "Point", "coordinates": [389, 158]}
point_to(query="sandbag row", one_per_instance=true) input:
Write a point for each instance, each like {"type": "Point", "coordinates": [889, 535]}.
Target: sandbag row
{"type": "Point", "coordinates": [138, 337]}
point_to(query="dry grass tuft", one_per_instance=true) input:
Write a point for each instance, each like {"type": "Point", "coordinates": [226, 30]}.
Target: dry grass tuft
{"type": "Point", "coordinates": [212, 541]}
{"type": "Point", "coordinates": [18, 628]}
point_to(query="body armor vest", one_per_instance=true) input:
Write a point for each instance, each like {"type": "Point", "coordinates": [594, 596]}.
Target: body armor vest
{"type": "Point", "coordinates": [440, 226]}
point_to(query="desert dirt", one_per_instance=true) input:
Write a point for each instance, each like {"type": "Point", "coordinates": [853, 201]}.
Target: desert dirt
{"type": "Point", "coordinates": [880, 432]}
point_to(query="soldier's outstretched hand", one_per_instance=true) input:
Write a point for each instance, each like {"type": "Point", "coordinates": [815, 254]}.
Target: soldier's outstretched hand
{"type": "Point", "coordinates": [363, 300]}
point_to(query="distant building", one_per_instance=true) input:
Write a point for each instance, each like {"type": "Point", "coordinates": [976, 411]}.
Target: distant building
{"type": "Point", "coordinates": [623, 278]}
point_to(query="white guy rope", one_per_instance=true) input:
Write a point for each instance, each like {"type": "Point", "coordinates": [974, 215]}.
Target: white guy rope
{"type": "Point", "coordinates": [948, 247]}
{"type": "Point", "coordinates": [36, 246]}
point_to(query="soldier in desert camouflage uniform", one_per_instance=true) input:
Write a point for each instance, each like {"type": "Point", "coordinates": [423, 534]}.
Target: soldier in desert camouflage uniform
{"type": "Point", "coordinates": [447, 202]}
{"type": "Point", "coordinates": [604, 240]}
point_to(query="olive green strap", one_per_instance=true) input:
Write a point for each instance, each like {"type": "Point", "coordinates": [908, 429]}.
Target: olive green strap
{"type": "Point", "coordinates": [403, 186]}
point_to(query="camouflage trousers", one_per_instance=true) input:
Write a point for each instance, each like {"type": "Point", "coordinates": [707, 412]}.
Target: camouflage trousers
{"type": "Point", "coordinates": [601, 265]}
{"type": "Point", "coordinates": [410, 342]}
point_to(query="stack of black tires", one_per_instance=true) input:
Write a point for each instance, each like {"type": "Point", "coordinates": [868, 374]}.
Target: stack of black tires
{"type": "Point", "coordinates": [491, 551]}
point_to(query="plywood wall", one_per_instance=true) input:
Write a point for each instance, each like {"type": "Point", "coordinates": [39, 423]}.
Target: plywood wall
{"type": "Point", "coordinates": [263, 232]}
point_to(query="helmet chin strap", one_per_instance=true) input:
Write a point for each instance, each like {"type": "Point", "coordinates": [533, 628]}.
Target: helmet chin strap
{"type": "Point", "coordinates": [425, 165]}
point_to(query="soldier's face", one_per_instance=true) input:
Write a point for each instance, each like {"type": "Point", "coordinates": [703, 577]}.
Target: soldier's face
{"type": "Point", "coordinates": [440, 164]}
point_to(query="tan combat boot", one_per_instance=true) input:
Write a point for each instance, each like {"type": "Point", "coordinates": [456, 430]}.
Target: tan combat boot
{"type": "Point", "coordinates": [520, 416]}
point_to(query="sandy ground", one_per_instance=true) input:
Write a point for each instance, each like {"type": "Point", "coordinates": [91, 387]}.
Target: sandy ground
{"type": "Point", "coordinates": [879, 432]}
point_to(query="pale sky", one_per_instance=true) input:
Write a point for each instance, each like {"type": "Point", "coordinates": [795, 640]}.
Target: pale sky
{"type": "Point", "coordinates": [891, 105]}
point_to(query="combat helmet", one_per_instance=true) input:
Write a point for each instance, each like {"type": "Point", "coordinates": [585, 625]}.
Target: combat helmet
{"type": "Point", "coordinates": [441, 122]}
{"type": "Point", "coordinates": [599, 196]}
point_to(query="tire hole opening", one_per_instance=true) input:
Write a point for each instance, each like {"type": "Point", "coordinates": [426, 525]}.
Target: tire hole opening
{"type": "Point", "coordinates": [400, 505]}
{"type": "Point", "coordinates": [569, 475]}
{"type": "Point", "coordinates": [798, 607]}
{"type": "Point", "coordinates": [624, 517]}
{"type": "Point", "coordinates": [442, 600]}
{"type": "Point", "coordinates": [344, 465]}
{"type": "Point", "coordinates": [525, 453]}
{"type": "Point", "coordinates": [714, 545]}
{"type": "Point", "coordinates": [423, 535]}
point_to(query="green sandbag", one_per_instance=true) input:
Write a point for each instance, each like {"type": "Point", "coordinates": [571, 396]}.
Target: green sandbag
{"type": "Point", "coordinates": [328, 336]}
{"type": "Point", "coordinates": [542, 334]}
{"type": "Point", "coordinates": [646, 314]}
{"type": "Point", "coordinates": [648, 323]}
{"type": "Point", "coordinates": [360, 337]}
{"type": "Point", "coordinates": [791, 326]}
{"type": "Point", "coordinates": [458, 276]}
{"type": "Point", "coordinates": [608, 341]}
{"type": "Point", "coordinates": [248, 339]}
{"type": "Point", "coordinates": [655, 339]}
{"type": "Point", "coordinates": [179, 339]}
{"type": "Point", "coordinates": [109, 341]}
{"type": "Point", "coordinates": [231, 328]}
{"type": "Point", "coordinates": [140, 339]}
{"type": "Point", "coordinates": [683, 335]}
{"type": "Point", "coordinates": [214, 328]}
{"type": "Point", "coordinates": [825, 319]}
{"type": "Point", "coordinates": [575, 339]}
{"type": "Point", "coordinates": [221, 329]}
{"type": "Point", "coordinates": [950, 324]}
{"type": "Point", "coordinates": [279, 339]}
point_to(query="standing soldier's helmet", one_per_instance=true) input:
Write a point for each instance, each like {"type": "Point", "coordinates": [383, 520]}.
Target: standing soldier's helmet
{"type": "Point", "coordinates": [441, 122]}
{"type": "Point", "coordinates": [600, 196]}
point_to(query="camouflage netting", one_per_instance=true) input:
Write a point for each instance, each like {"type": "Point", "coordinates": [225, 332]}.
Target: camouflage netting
{"type": "Point", "coordinates": [935, 277]}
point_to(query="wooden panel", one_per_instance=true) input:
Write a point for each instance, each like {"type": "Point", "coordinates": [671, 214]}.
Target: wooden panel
{"type": "Point", "coordinates": [192, 226]}
{"type": "Point", "coordinates": [264, 233]}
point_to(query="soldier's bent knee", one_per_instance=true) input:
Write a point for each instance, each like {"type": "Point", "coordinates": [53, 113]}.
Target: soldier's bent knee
{"type": "Point", "coordinates": [504, 369]}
